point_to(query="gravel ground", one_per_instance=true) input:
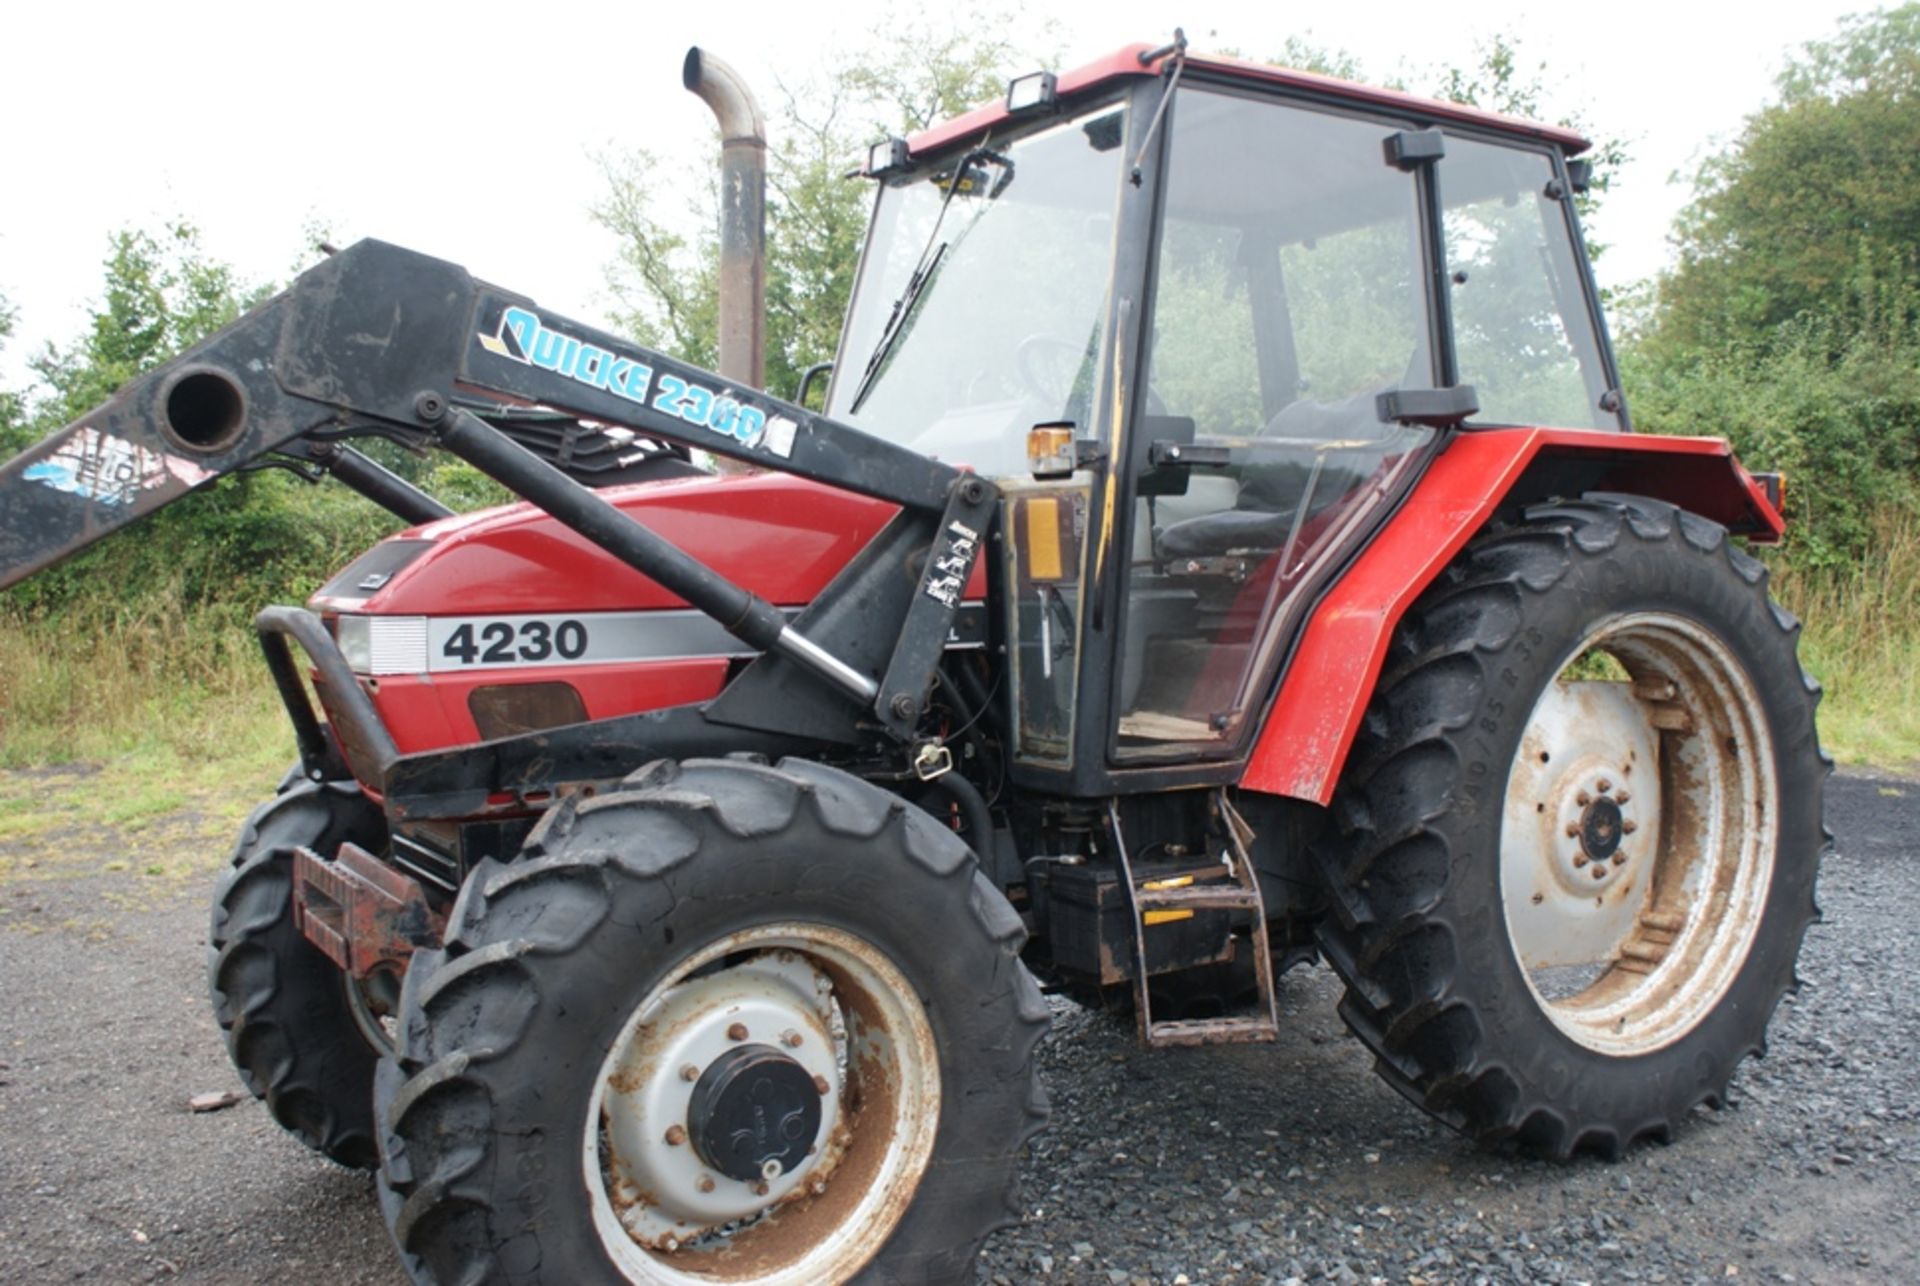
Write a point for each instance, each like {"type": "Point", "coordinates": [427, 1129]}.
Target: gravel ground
{"type": "Point", "coordinates": [1227, 1165]}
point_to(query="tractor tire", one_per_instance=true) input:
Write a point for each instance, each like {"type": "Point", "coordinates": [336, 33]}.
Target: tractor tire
{"type": "Point", "coordinates": [290, 1021]}
{"type": "Point", "coordinates": [1538, 943]}
{"type": "Point", "coordinates": [587, 1070]}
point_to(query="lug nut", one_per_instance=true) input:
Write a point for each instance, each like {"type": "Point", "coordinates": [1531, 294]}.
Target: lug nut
{"type": "Point", "coordinates": [1619, 859]}
{"type": "Point", "coordinates": [737, 1032]}
{"type": "Point", "coordinates": [1622, 797]}
{"type": "Point", "coordinates": [1629, 826]}
{"type": "Point", "coordinates": [1579, 860]}
{"type": "Point", "coordinates": [791, 1039]}
{"type": "Point", "coordinates": [705, 1184]}
{"type": "Point", "coordinates": [760, 1189]}
{"type": "Point", "coordinates": [1573, 829]}
{"type": "Point", "coordinates": [1583, 799]}
{"type": "Point", "coordinates": [689, 1073]}
{"type": "Point", "coordinates": [676, 1135]}
{"type": "Point", "coordinates": [1600, 870]}
{"type": "Point", "coordinates": [820, 1084]}
{"type": "Point", "coordinates": [1605, 785]}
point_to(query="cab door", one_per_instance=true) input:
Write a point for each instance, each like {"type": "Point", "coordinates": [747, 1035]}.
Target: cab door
{"type": "Point", "coordinates": [1288, 296]}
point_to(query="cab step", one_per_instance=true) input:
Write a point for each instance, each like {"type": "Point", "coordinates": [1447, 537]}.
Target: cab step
{"type": "Point", "coordinates": [1154, 901]}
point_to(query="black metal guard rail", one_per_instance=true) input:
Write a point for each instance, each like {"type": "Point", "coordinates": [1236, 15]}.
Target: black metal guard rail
{"type": "Point", "coordinates": [361, 726]}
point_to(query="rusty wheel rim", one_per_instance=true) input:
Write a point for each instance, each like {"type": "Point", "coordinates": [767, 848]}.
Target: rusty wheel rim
{"type": "Point", "coordinates": [372, 1003]}
{"type": "Point", "coordinates": [1638, 833]}
{"type": "Point", "coordinates": [802, 996]}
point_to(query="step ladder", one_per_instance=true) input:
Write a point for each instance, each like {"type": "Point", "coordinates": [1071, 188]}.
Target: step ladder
{"type": "Point", "coordinates": [1145, 899]}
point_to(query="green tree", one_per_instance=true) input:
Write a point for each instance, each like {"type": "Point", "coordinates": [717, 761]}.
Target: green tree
{"type": "Point", "coordinates": [1791, 321]}
{"type": "Point", "coordinates": [1815, 208]}
{"type": "Point", "coordinates": [241, 543]}
{"type": "Point", "coordinates": [162, 295]}
{"type": "Point", "coordinates": [13, 434]}
{"type": "Point", "coordinates": [664, 284]}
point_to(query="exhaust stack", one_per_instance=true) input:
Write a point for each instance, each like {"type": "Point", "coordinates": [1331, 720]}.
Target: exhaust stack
{"type": "Point", "coordinates": [743, 215]}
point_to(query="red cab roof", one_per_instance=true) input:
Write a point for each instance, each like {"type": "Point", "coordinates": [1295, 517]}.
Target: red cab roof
{"type": "Point", "coordinates": [1124, 63]}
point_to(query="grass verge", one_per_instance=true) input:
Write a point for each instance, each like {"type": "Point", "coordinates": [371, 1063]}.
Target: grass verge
{"type": "Point", "coordinates": [180, 702]}
{"type": "Point", "coordinates": [1861, 638]}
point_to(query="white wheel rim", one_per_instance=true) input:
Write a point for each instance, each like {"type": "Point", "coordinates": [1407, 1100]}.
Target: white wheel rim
{"type": "Point", "coordinates": [1638, 836]}
{"type": "Point", "coordinates": [839, 1008]}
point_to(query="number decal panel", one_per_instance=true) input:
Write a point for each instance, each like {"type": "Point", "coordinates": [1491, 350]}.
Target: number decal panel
{"type": "Point", "coordinates": [485, 642]}
{"type": "Point", "coordinates": [604, 638]}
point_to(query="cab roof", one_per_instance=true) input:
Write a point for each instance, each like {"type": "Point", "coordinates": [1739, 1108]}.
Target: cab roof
{"type": "Point", "coordinates": [1127, 62]}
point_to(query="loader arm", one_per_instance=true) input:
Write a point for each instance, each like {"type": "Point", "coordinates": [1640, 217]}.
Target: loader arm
{"type": "Point", "coordinates": [379, 339]}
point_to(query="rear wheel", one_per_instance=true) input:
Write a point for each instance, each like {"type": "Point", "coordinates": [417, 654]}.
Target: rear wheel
{"type": "Point", "coordinates": [732, 1023]}
{"type": "Point", "coordinates": [301, 1035]}
{"type": "Point", "coordinates": [1576, 843]}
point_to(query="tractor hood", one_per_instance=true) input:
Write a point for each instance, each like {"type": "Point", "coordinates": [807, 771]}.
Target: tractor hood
{"type": "Point", "coordinates": [506, 621]}
{"type": "Point", "coordinates": [780, 536]}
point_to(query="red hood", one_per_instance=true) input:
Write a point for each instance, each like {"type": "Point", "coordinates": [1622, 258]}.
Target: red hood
{"type": "Point", "coordinates": [780, 536]}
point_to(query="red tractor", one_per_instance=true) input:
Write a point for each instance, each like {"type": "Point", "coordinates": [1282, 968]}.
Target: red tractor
{"type": "Point", "coordinates": [1224, 542]}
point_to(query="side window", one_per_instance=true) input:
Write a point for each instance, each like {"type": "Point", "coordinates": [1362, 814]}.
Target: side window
{"type": "Point", "coordinates": [1358, 310]}
{"type": "Point", "coordinates": [1287, 297]}
{"type": "Point", "coordinates": [1203, 328]}
{"type": "Point", "coordinates": [1520, 320]}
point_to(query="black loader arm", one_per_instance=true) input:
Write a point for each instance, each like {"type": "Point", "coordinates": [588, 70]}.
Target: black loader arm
{"type": "Point", "coordinates": [364, 337]}
{"type": "Point", "coordinates": [386, 340]}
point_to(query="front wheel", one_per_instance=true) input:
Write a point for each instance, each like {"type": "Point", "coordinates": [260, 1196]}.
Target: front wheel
{"type": "Point", "coordinates": [299, 1031]}
{"type": "Point", "coordinates": [1577, 839]}
{"type": "Point", "coordinates": [733, 1022]}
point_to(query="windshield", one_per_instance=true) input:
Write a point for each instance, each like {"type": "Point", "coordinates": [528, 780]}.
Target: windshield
{"type": "Point", "coordinates": [978, 315]}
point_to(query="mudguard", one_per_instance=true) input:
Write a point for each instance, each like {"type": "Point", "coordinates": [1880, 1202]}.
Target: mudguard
{"type": "Point", "coordinates": [1324, 693]}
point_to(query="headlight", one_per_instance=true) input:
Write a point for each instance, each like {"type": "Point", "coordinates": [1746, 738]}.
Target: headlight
{"type": "Point", "coordinates": [383, 644]}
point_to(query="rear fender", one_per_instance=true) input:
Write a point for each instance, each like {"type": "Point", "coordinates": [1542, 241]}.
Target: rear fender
{"type": "Point", "coordinates": [1324, 693]}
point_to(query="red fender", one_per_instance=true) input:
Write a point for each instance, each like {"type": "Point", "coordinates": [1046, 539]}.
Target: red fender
{"type": "Point", "coordinates": [1305, 740]}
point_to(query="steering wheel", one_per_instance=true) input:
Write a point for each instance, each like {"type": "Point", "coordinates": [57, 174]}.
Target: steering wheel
{"type": "Point", "coordinates": [1046, 366]}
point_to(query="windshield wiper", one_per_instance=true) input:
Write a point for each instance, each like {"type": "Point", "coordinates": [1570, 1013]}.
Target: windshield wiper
{"type": "Point", "coordinates": [929, 263]}
{"type": "Point", "coordinates": [896, 324]}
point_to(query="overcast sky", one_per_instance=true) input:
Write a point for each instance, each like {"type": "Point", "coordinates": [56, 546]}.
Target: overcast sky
{"type": "Point", "coordinates": [469, 130]}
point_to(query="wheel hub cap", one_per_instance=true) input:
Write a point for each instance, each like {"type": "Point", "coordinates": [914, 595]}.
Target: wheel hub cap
{"type": "Point", "coordinates": [709, 1124]}
{"type": "Point", "coordinates": [755, 1113]}
{"type": "Point", "coordinates": [1600, 830]}
{"type": "Point", "coordinates": [765, 1114]}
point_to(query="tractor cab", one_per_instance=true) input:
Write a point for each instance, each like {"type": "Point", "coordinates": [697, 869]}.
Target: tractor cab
{"type": "Point", "coordinates": [1203, 342]}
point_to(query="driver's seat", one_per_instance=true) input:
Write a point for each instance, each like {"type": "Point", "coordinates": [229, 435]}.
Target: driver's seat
{"type": "Point", "coordinates": [1216, 534]}
{"type": "Point", "coordinates": [1268, 498]}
